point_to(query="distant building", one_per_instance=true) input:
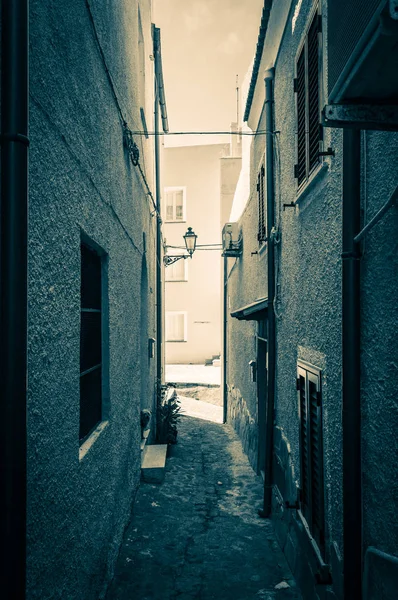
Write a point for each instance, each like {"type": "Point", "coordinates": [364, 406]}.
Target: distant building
{"type": "Point", "coordinates": [195, 189]}
{"type": "Point", "coordinates": [314, 402]}
{"type": "Point", "coordinates": [91, 287]}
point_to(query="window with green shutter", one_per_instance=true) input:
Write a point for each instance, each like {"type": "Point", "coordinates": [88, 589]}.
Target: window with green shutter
{"type": "Point", "coordinates": [307, 90]}
{"type": "Point", "coordinates": [311, 450]}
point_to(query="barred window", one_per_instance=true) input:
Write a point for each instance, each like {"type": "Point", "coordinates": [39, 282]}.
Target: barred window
{"type": "Point", "coordinates": [262, 208]}
{"type": "Point", "coordinates": [90, 341]}
{"type": "Point", "coordinates": [306, 87]}
{"type": "Point", "coordinates": [311, 450]}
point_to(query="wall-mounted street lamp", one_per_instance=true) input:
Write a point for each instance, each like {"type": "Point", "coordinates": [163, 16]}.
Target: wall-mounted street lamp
{"type": "Point", "coordinates": [190, 244]}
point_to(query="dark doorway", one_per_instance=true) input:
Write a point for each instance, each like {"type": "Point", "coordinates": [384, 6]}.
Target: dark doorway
{"type": "Point", "coordinates": [262, 364]}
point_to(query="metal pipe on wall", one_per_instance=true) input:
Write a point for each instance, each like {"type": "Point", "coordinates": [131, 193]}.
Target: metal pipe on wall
{"type": "Point", "coordinates": [269, 157]}
{"type": "Point", "coordinates": [159, 303]}
{"type": "Point", "coordinates": [225, 340]}
{"type": "Point", "coordinates": [351, 401]}
{"type": "Point", "coordinates": [14, 242]}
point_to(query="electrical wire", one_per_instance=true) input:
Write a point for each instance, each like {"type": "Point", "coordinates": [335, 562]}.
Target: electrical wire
{"type": "Point", "coordinates": [127, 133]}
{"type": "Point", "coordinates": [169, 133]}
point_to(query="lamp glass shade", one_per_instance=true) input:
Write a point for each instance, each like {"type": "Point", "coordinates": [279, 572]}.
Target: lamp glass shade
{"type": "Point", "coordinates": [190, 240]}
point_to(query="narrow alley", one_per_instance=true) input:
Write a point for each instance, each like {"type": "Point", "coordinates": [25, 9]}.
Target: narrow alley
{"type": "Point", "coordinates": [197, 535]}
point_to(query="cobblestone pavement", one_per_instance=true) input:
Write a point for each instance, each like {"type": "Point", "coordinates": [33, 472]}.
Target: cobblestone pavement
{"type": "Point", "coordinates": [197, 535]}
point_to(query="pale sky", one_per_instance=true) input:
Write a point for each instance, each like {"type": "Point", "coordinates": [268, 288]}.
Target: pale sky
{"type": "Point", "coordinates": [205, 44]}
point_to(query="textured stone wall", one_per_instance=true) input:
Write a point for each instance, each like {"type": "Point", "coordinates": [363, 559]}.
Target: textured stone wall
{"type": "Point", "coordinates": [308, 325]}
{"type": "Point", "coordinates": [81, 180]}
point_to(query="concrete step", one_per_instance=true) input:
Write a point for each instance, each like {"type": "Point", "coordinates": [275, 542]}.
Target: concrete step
{"type": "Point", "coordinates": [144, 439]}
{"type": "Point", "coordinates": [153, 463]}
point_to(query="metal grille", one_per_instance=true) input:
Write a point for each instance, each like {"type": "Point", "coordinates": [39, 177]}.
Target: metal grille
{"type": "Point", "coordinates": [262, 216]}
{"type": "Point", "coordinates": [347, 22]}
{"type": "Point", "coordinates": [90, 342]}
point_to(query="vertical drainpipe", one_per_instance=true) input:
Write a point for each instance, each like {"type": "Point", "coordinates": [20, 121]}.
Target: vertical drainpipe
{"type": "Point", "coordinates": [269, 157]}
{"type": "Point", "coordinates": [159, 283]}
{"type": "Point", "coordinates": [351, 416]}
{"type": "Point", "coordinates": [225, 332]}
{"type": "Point", "coordinates": [14, 238]}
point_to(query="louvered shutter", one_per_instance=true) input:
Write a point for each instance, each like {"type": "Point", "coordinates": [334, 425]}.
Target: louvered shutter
{"type": "Point", "coordinates": [313, 93]}
{"type": "Point", "coordinates": [306, 87]}
{"type": "Point", "coordinates": [305, 477]}
{"type": "Point", "coordinates": [316, 458]}
{"type": "Point", "coordinates": [262, 218]}
{"type": "Point", "coordinates": [301, 119]}
{"type": "Point", "coordinates": [311, 452]}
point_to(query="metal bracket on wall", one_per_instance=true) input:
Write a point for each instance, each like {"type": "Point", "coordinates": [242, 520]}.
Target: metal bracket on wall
{"type": "Point", "coordinates": [361, 116]}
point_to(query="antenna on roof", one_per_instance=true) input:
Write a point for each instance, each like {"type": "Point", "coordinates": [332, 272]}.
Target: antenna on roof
{"type": "Point", "coordinates": [237, 100]}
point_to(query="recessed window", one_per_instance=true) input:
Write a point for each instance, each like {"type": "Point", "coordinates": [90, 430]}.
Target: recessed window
{"type": "Point", "coordinates": [307, 89]}
{"type": "Point", "coordinates": [311, 450]}
{"type": "Point", "coordinates": [175, 204]}
{"type": "Point", "coordinates": [262, 207]}
{"type": "Point", "coordinates": [178, 271]}
{"type": "Point", "coordinates": [90, 341]}
{"type": "Point", "coordinates": [176, 326]}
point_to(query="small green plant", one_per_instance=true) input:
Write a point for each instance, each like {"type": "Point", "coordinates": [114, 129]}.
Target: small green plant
{"type": "Point", "coordinates": [168, 410]}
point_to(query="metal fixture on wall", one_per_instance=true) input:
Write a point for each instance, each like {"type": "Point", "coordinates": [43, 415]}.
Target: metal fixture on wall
{"type": "Point", "coordinates": [190, 244]}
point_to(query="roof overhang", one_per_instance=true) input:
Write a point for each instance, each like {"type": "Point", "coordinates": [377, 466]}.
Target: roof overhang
{"type": "Point", "coordinates": [256, 311]}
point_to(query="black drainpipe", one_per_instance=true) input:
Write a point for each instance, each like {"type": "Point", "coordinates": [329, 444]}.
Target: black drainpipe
{"type": "Point", "coordinates": [269, 157]}
{"type": "Point", "coordinates": [159, 282]}
{"type": "Point", "coordinates": [351, 417]}
{"type": "Point", "coordinates": [225, 341]}
{"type": "Point", "coordinates": [14, 237]}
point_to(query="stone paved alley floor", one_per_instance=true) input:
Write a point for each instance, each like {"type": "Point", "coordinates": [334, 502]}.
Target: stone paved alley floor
{"type": "Point", "coordinates": [197, 535]}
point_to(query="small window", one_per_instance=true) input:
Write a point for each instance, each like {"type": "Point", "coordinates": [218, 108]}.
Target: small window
{"type": "Point", "coordinates": [307, 89]}
{"type": "Point", "coordinates": [311, 450]}
{"type": "Point", "coordinates": [262, 208]}
{"type": "Point", "coordinates": [90, 341]}
{"type": "Point", "coordinates": [175, 204]}
{"type": "Point", "coordinates": [176, 326]}
{"type": "Point", "coordinates": [178, 271]}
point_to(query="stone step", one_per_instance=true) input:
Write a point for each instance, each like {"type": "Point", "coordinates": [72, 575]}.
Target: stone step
{"type": "Point", "coordinates": [153, 463]}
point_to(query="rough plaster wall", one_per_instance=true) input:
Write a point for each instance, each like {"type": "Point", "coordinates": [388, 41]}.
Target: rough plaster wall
{"type": "Point", "coordinates": [379, 270]}
{"type": "Point", "coordinates": [247, 282]}
{"type": "Point", "coordinates": [309, 301]}
{"type": "Point", "coordinates": [82, 179]}
{"type": "Point", "coordinates": [309, 289]}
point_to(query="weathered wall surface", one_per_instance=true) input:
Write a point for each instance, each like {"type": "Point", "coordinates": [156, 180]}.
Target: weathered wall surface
{"type": "Point", "coordinates": [198, 169]}
{"type": "Point", "coordinates": [247, 282]}
{"type": "Point", "coordinates": [308, 325]}
{"type": "Point", "coordinates": [379, 313]}
{"type": "Point", "coordinates": [81, 180]}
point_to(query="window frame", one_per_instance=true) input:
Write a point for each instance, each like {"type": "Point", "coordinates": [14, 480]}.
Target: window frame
{"type": "Point", "coordinates": [185, 335]}
{"type": "Point", "coordinates": [169, 270]}
{"type": "Point", "coordinates": [104, 339]}
{"type": "Point", "coordinates": [310, 171]}
{"type": "Point", "coordinates": [176, 188]}
{"type": "Point", "coordinates": [308, 496]}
